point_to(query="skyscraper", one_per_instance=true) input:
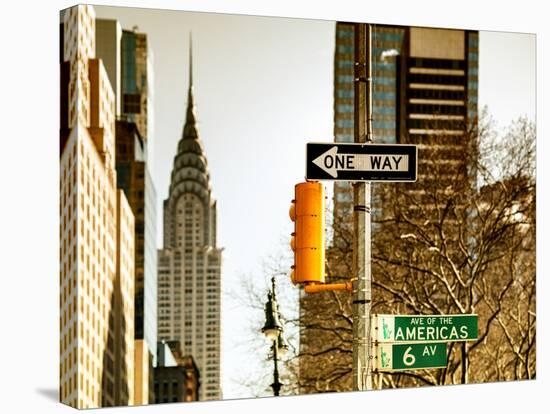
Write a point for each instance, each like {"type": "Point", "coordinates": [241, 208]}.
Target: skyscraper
{"type": "Point", "coordinates": [136, 80]}
{"type": "Point", "coordinates": [424, 88]}
{"type": "Point", "coordinates": [134, 178]}
{"type": "Point", "coordinates": [189, 265]}
{"type": "Point", "coordinates": [96, 230]}
{"type": "Point", "coordinates": [124, 55]}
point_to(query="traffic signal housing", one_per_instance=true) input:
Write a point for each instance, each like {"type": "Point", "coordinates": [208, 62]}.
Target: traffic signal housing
{"type": "Point", "coordinates": [307, 211]}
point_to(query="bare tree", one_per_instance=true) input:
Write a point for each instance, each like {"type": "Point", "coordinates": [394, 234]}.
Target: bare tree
{"type": "Point", "coordinates": [460, 240]}
{"type": "Point", "coordinates": [251, 296]}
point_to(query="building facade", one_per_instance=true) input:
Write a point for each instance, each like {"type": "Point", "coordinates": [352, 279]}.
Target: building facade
{"type": "Point", "coordinates": [425, 86]}
{"type": "Point", "coordinates": [123, 306]}
{"type": "Point", "coordinates": [137, 85]}
{"type": "Point", "coordinates": [96, 231]}
{"type": "Point", "coordinates": [126, 58]}
{"type": "Point", "coordinates": [189, 265]}
{"type": "Point", "coordinates": [143, 373]}
{"type": "Point", "coordinates": [108, 40]}
{"type": "Point", "coordinates": [134, 178]}
{"type": "Point", "coordinates": [177, 377]}
{"type": "Point", "coordinates": [343, 109]}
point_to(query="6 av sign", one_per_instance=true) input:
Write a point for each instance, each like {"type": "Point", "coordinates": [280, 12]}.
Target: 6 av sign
{"type": "Point", "coordinates": [361, 162]}
{"type": "Point", "coordinates": [395, 357]}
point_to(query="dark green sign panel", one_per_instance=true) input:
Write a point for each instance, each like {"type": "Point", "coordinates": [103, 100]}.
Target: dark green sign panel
{"type": "Point", "coordinates": [423, 328]}
{"type": "Point", "coordinates": [395, 357]}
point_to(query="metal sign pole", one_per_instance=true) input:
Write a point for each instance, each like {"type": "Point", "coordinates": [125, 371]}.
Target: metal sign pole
{"type": "Point", "coordinates": [361, 288]}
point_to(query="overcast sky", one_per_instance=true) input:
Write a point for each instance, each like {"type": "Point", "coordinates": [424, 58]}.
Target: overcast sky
{"type": "Point", "coordinates": [263, 88]}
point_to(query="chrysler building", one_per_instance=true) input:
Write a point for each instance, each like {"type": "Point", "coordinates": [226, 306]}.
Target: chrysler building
{"type": "Point", "coordinates": [189, 266]}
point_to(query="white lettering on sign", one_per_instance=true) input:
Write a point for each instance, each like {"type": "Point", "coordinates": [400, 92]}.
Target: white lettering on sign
{"type": "Point", "coordinates": [430, 333]}
{"type": "Point", "coordinates": [429, 350]}
{"type": "Point", "coordinates": [332, 162]}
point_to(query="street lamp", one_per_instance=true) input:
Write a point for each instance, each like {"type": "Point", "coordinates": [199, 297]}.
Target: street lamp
{"type": "Point", "coordinates": [273, 330]}
{"type": "Point", "coordinates": [282, 345]}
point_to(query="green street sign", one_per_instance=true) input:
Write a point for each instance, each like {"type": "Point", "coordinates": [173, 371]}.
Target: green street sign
{"type": "Point", "coordinates": [398, 357]}
{"type": "Point", "coordinates": [424, 328]}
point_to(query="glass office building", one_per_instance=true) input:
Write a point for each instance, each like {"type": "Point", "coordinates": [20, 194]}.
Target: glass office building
{"type": "Point", "coordinates": [425, 86]}
{"type": "Point", "coordinates": [134, 178]}
{"type": "Point", "coordinates": [136, 82]}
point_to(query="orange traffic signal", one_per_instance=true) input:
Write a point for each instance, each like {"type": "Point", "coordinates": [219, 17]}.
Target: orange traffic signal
{"type": "Point", "coordinates": [307, 211]}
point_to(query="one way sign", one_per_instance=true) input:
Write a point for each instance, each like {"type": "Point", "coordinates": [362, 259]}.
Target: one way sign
{"type": "Point", "coordinates": [361, 162]}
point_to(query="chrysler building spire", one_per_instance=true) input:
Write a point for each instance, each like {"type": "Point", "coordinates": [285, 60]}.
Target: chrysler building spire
{"type": "Point", "coordinates": [190, 127]}
{"type": "Point", "coordinates": [190, 172]}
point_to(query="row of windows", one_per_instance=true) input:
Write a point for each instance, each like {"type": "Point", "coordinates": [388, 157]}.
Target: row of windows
{"type": "Point", "coordinates": [69, 341]}
{"type": "Point", "coordinates": [131, 103]}
{"type": "Point", "coordinates": [385, 35]}
{"type": "Point", "coordinates": [436, 94]}
{"type": "Point", "coordinates": [377, 124]}
{"type": "Point", "coordinates": [69, 202]}
{"type": "Point", "coordinates": [388, 110]}
{"type": "Point", "coordinates": [437, 63]}
{"type": "Point", "coordinates": [344, 108]}
{"type": "Point", "coordinates": [383, 96]}
{"type": "Point", "coordinates": [66, 308]}
{"type": "Point", "coordinates": [69, 386]}
{"type": "Point", "coordinates": [435, 109]}
{"type": "Point", "coordinates": [344, 64]}
{"type": "Point", "coordinates": [344, 138]}
{"type": "Point", "coordinates": [384, 80]}
{"type": "Point", "coordinates": [344, 78]}
{"type": "Point", "coordinates": [71, 159]}
{"type": "Point", "coordinates": [439, 124]}
{"type": "Point", "coordinates": [438, 79]}
{"type": "Point", "coordinates": [345, 49]}
{"type": "Point", "coordinates": [345, 33]}
{"type": "Point", "coordinates": [345, 93]}
{"type": "Point", "coordinates": [68, 254]}
{"type": "Point", "coordinates": [344, 123]}
{"type": "Point", "coordinates": [383, 124]}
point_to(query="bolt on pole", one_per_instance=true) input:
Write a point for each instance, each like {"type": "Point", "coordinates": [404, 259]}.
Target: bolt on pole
{"type": "Point", "coordinates": [361, 287]}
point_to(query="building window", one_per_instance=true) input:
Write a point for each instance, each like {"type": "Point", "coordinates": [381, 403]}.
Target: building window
{"type": "Point", "coordinates": [132, 103]}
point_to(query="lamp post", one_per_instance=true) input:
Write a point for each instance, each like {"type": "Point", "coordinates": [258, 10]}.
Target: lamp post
{"type": "Point", "coordinates": [273, 330]}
